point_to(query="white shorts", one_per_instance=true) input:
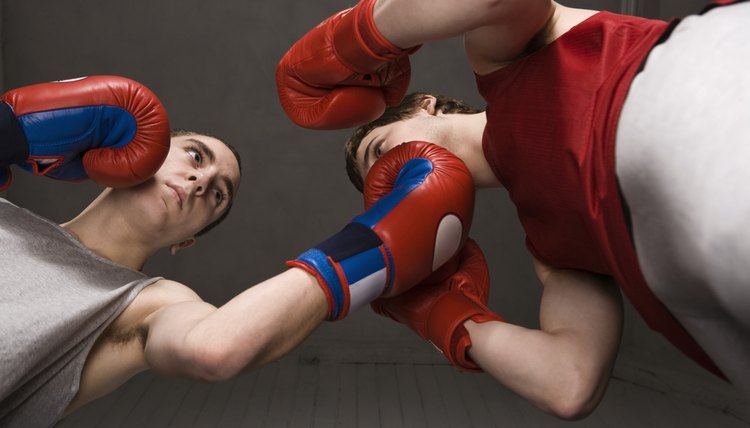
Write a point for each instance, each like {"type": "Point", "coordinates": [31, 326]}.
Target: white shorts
{"type": "Point", "coordinates": [683, 163]}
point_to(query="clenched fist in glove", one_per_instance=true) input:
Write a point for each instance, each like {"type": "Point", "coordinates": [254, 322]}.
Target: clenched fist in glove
{"type": "Point", "coordinates": [107, 128]}
{"type": "Point", "coordinates": [436, 311]}
{"type": "Point", "coordinates": [343, 73]}
{"type": "Point", "coordinates": [419, 201]}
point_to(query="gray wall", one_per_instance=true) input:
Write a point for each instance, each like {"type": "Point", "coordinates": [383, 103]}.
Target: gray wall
{"type": "Point", "coordinates": [668, 9]}
{"type": "Point", "coordinates": [212, 64]}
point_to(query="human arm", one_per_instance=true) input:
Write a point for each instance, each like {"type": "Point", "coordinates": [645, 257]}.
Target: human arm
{"type": "Point", "coordinates": [197, 340]}
{"type": "Point", "coordinates": [495, 32]}
{"type": "Point", "coordinates": [346, 70]}
{"type": "Point", "coordinates": [562, 368]}
{"type": "Point", "coordinates": [170, 329]}
{"type": "Point", "coordinates": [496, 29]}
{"type": "Point", "coordinates": [565, 365]}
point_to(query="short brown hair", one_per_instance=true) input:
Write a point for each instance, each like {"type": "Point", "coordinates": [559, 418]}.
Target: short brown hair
{"type": "Point", "coordinates": [186, 133]}
{"type": "Point", "coordinates": [408, 107]}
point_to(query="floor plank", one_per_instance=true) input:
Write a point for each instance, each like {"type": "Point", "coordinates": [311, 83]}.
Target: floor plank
{"type": "Point", "coordinates": [457, 415]}
{"type": "Point", "coordinates": [260, 399]}
{"type": "Point", "coordinates": [368, 415]}
{"type": "Point", "coordinates": [411, 400]}
{"type": "Point", "coordinates": [190, 407]}
{"type": "Point", "coordinates": [304, 395]}
{"type": "Point", "coordinates": [389, 397]}
{"type": "Point", "coordinates": [347, 406]}
{"type": "Point", "coordinates": [326, 397]}
{"type": "Point", "coordinates": [237, 402]}
{"type": "Point", "coordinates": [283, 394]}
{"type": "Point", "coordinates": [214, 407]}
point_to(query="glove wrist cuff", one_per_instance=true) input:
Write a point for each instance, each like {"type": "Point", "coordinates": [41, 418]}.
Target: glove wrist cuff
{"type": "Point", "coordinates": [445, 326]}
{"type": "Point", "coordinates": [359, 43]}
{"type": "Point", "coordinates": [351, 266]}
{"type": "Point", "coordinates": [335, 300]}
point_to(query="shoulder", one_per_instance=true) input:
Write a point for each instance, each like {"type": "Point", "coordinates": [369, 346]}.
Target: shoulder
{"type": "Point", "coordinates": [150, 300]}
{"type": "Point", "coordinates": [165, 291]}
{"type": "Point", "coordinates": [118, 353]}
{"type": "Point", "coordinates": [562, 20]}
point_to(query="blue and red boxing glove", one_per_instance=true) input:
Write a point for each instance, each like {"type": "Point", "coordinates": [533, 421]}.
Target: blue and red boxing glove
{"type": "Point", "coordinates": [110, 129]}
{"type": "Point", "coordinates": [419, 201]}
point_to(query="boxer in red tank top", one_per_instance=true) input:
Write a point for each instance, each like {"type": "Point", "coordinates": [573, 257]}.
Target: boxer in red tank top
{"type": "Point", "coordinates": [553, 96]}
{"type": "Point", "coordinates": [555, 80]}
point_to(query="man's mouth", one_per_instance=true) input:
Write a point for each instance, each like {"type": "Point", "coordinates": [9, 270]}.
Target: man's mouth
{"type": "Point", "coordinates": [179, 194]}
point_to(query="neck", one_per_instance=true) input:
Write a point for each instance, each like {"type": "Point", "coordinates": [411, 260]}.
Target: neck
{"type": "Point", "coordinates": [469, 149]}
{"type": "Point", "coordinates": [103, 229]}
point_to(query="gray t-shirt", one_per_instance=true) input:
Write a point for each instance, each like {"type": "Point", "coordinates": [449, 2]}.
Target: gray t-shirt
{"type": "Point", "coordinates": [56, 298]}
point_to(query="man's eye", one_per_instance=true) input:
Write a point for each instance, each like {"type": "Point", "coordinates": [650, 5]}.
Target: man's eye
{"type": "Point", "coordinates": [378, 152]}
{"type": "Point", "coordinates": [219, 197]}
{"type": "Point", "coordinates": [195, 155]}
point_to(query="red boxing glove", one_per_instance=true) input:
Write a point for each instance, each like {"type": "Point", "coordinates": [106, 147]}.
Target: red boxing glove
{"type": "Point", "coordinates": [343, 73]}
{"type": "Point", "coordinates": [434, 225]}
{"type": "Point", "coordinates": [110, 129]}
{"type": "Point", "coordinates": [420, 201]}
{"type": "Point", "coordinates": [437, 311]}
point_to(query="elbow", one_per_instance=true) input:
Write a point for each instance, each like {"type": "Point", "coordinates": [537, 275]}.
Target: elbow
{"type": "Point", "coordinates": [572, 408]}
{"type": "Point", "coordinates": [217, 362]}
{"type": "Point", "coordinates": [577, 399]}
{"type": "Point", "coordinates": [213, 365]}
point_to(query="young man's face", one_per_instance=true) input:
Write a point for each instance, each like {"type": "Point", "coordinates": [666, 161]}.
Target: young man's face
{"type": "Point", "coordinates": [422, 127]}
{"type": "Point", "coordinates": [194, 186]}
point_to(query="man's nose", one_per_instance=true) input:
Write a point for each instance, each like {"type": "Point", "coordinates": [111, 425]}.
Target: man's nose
{"type": "Point", "coordinates": [199, 182]}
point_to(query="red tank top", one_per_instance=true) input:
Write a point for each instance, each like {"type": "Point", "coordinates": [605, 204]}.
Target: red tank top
{"type": "Point", "coordinates": [550, 135]}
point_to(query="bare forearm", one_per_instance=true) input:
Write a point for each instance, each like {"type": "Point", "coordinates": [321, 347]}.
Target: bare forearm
{"type": "Point", "coordinates": [408, 23]}
{"type": "Point", "coordinates": [257, 326]}
{"type": "Point", "coordinates": [551, 370]}
{"type": "Point", "coordinates": [564, 367]}
{"type": "Point", "coordinates": [268, 320]}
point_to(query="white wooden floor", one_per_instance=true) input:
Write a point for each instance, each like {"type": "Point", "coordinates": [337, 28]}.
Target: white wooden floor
{"type": "Point", "coordinates": [309, 389]}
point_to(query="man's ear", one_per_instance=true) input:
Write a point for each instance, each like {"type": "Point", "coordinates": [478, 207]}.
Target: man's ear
{"type": "Point", "coordinates": [174, 248]}
{"type": "Point", "coordinates": [428, 103]}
